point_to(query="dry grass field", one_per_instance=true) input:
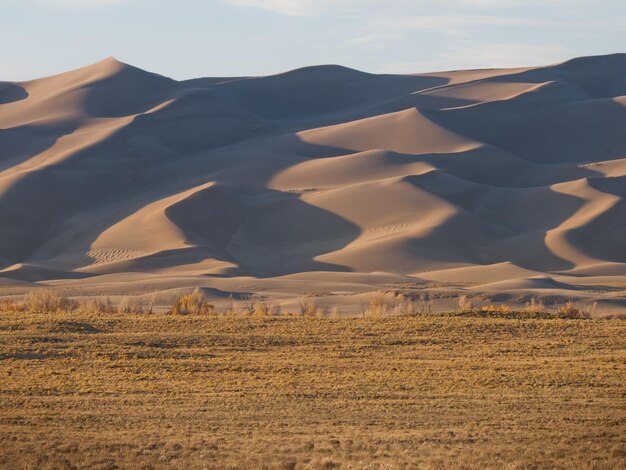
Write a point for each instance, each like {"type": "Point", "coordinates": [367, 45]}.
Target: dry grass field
{"type": "Point", "coordinates": [82, 390]}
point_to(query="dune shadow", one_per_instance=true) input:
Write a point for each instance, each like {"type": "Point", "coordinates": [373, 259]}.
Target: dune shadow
{"type": "Point", "coordinates": [20, 144]}
{"type": "Point", "coordinates": [318, 91]}
{"type": "Point", "coordinates": [595, 76]}
{"type": "Point", "coordinates": [265, 231]}
{"type": "Point", "coordinates": [541, 128]}
{"type": "Point", "coordinates": [603, 237]}
{"type": "Point", "coordinates": [127, 91]}
{"type": "Point", "coordinates": [615, 185]}
{"type": "Point", "coordinates": [275, 233]}
{"type": "Point", "coordinates": [496, 223]}
{"type": "Point", "coordinates": [10, 92]}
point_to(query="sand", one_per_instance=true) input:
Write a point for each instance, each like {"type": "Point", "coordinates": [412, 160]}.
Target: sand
{"type": "Point", "coordinates": [321, 181]}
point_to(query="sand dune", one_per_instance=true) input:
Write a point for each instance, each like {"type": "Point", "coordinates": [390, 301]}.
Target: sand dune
{"type": "Point", "coordinates": [508, 180]}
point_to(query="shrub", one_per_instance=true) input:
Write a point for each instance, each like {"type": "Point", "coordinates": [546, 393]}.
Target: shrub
{"type": "Point", "coordinates": [96, 306]}
{"type": "Point", "coordinates": [424, 304]}
{"type": "Point", "coordinates": [263, 309]}
{"type": "Point", "coordinates": [8, 305]}
{"type": "Point", "coordinates": [465, 304]}
{"type": "Point", "coordinates": [230, 308]}
{"type": "Point", "coordinates": [308, 307]}
{"type": "Point", "coordinates": [152, 302]}
{"type": "Point", "coordinates": [501, 309]}
{"type": "Point", "coordinates": [248, 306]}
{"type": "Point", "coordinates": [405, 307]}
{"type": "Point", "coordinates": [571, 311]}
{"type": "Point", "coordinates": [377, 308]}
{"type": "Point", "coordinates": [47, 301]}
{"type": "Point", "coordinates": [535, 306]}
{"type": "Point", "coordinates": [130, 305]}
{"type": "Point", "coordinates": [591, 309]}
{"type": "Point", "coordinates": [323, 311]}
{"type": "Point", "coordinates": [192, 304]}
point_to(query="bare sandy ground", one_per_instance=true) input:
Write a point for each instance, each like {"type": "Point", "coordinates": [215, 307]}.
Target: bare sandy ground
{"type": "Point", "coordinates": [321, 181]}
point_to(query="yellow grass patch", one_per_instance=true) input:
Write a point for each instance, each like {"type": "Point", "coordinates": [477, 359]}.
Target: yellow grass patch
{"type": "Point", "coordinates": [195, 391]}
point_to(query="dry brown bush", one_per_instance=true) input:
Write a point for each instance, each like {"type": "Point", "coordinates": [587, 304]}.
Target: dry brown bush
{"type": "Point", "coordinates": [535, 306]}
{"type": "Point", "coordinates": [192, 304]}
{"type": "Point", "coordinates": [308, 306]}
{"type": "Point", "coordinates": [9, 305]}
{"type": "Point", "coordinates": [47, 301]}
{"type": "Point", "coordinates": [405, 307]}
{"type": "Point", "coordinates": [264, 309]}
{"type": "Point", "coordinates": [131, 305]}
{"type": "Point", "coordinates": [261, 309]}
{"type": "Point", "coordinates": [230, 308]}
{"type": "Point", "coordinates": [152, 302]}
{"type": "Point", "coordinates": [424, 304]}
{"type": "Point", "coordinates": [465, 304]}
{"type": "Point", "coordinates": [377, 308]}
{"type": "Point", "coordinates": [572, 311]}
{"type": "Point", "coordinates": [96, 306]}
{"type": "Point", "coordinates": [323, 311]}
{"type": "Point", "coordinates": [500, 309]}
{"type": "Point", "coordinates": [276, 309]}
{"type": "Point", "coordinates": [249, 306]}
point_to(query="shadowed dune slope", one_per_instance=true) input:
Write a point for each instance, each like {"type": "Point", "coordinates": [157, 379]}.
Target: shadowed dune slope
{"type": "Point", "coordinates": [466, 176]}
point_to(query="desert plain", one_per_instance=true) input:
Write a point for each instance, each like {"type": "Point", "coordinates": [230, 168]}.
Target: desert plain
{"type": "Point", "coordinates": [323, 268]}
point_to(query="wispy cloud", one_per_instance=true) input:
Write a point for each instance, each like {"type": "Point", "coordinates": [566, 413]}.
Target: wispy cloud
{"type": "Point", "coordinates": [453, 17]}
{"type": "Point", "coordinates": [76, 3]}
{"type": "Point", "coordinates": [333, 7]}
{"type": "Point", "coordinates": [285, 7]}
{"type": "Point", "coordinates": [481, 33]}
{"type": "Point", "coordinates": [455, 25]}
{"type": "Point", "coordinates": [453, 22]}
{"type": "Point", "coordinates": [323, 7]}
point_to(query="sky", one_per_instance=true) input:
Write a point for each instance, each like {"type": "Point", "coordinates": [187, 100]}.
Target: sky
{"type": "Point", "coordinates": [194, 38]}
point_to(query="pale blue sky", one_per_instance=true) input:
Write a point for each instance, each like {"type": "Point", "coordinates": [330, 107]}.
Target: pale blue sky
{"type": "Point", "coordinates": [193, 38]}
